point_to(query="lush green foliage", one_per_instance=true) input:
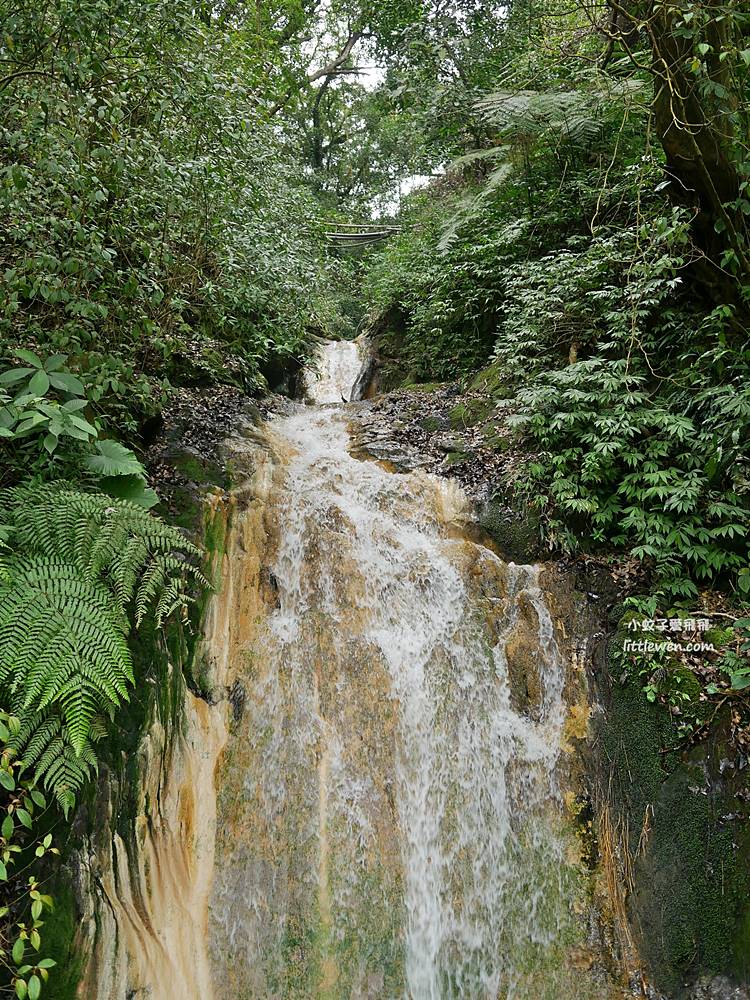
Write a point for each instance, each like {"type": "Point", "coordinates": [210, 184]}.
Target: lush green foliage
{"type": "Point", "coordinates": [77, 568]}
{"type": "Point", "coordinates": [152, 226]}
{"type": "Point", "coordinates": [553, 255]}
{"type": "Point", "coordinates": [47, 434]}
{"type": "Point", "coordinates": [22, 904]}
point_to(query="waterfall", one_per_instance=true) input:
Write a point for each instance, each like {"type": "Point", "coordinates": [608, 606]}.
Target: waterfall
{"type": "Point", "coordinates": [389, 817]}
{"type": "Point", "coordinates": [336, 368]}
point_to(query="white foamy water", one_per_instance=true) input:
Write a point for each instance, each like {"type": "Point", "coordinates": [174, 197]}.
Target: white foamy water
{"type": "Point", "coordinates": [393, 832]}
{"type": "Point", "coordinates": [338, 363]}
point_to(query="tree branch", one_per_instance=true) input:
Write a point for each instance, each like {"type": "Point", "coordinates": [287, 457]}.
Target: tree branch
{"type": "Point", "coordinates": [338, 60]}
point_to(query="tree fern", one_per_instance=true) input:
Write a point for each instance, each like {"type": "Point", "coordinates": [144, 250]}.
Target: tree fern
{"type": "Point", "coordinates": [76, 568]}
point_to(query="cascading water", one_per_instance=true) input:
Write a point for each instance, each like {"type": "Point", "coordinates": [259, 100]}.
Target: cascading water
{"type": "Point", "coordinates": [389, 820]}
{"type": "Point", "coordinates": [337, 366]}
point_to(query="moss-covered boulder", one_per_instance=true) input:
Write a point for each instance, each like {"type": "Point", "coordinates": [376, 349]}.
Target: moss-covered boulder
{"type": "Point", "coordinates": [515, 532]}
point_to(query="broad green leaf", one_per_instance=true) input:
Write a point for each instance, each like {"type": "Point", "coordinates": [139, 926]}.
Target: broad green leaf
{"type": "Point", "coordinates": [114, 459]}
{"type": "Point", "coordinates": [13, 375]}
{"type": "Point", "coordinates": [39, 383]}
{"type": "Point", "coordinates": [82, 424]}
{"type": "Point", "coordinates": [25, 818]}
{"type": "Point", "coordinates": [67, 383]}
{"type": "Point", "coordinates": [73, 405]}
{"type": "Point", "coordinates": [29, 357]}
{"type": "Point", "coordinates": [35, 420]}
{"type": "Point", "coordinates": [132, 488]}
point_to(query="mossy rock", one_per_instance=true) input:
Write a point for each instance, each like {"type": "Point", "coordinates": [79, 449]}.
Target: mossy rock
{"type": "Point", "coordinates": [497, 442]}
{"type": "Point", "coordinates": [196, 468]}
{"type": "Point", "coordinates": [455, 458]}
{"type": "Point", "coordinates": [424, 386]}
{"type": "Point", "coordinates": [434, 423]}
{"type": "Point", "coordinates": [516, 533]}
{"type": "Point", "coordinates": [688, 906]}
{"type": "Point", "coordinates": [471, 412]}
{"type": "Point", "coordinates": [493, 381]}
{"type": "Point", "coordinates": [58, 940]}
{"type": "Point", "coordinates": [720, 637]}
{"type": "Point", "coordinates": [682, 679]}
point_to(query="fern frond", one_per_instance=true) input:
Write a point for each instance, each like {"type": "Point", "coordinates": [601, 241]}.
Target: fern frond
{"type": "Point", "coordinates": [43, 743]}
{"type": "Point", "coordinates": [81, 563]}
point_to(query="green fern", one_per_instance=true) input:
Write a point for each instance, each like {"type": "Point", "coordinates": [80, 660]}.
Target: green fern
{"type": "Point", "coordinates": [43, 744]}
{"type": "Point", "coordinates": [114, 541]}
{"type": "Point", "coordinates": [77, 568]}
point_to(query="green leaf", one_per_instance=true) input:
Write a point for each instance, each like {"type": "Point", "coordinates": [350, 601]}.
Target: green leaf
{"type": "Point", "coordinates": [67, 383]}
{"type": "Point", "coordinates": [132, 488]}
{"type": "Point", "coordinates": [8, 827]}
{"type": "Point", "coordinates": [31, 422]}
{"type": "Point", "coordinates": [25, 818]}
{"type": "Point", "coordinates": [39, 384]}
{"type": "Point", "coordinates": [7, 780]}
{"type": "Point", "coordinates": [29, 357]}
{"type": "Point", "coordinates": [13, 375]}
{"type": "Point", "coordinates": [83, 425]}
{"type": "Point", "coordinates": [3, 872]}
{"type": "Point", "coordinates": [21, 989]}
{"type": "Point", "coordinates": [114, 459]}
{"type": "Point", "coordinates": [35, 987]}
{"type": "Point", "coordinates": [18, 950]}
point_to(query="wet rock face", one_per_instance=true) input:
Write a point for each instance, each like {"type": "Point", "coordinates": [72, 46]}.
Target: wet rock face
{"type": "Point", "coordinates": [458, 435]}
{"type": "Point", "coordinates": [522, 653]}
{"type": "Point", "coordinates": [421, 422]}
{"type": "Point", "coordinates": [373, 438]}
{"type": "Point", "coordinates": [719, 988]}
